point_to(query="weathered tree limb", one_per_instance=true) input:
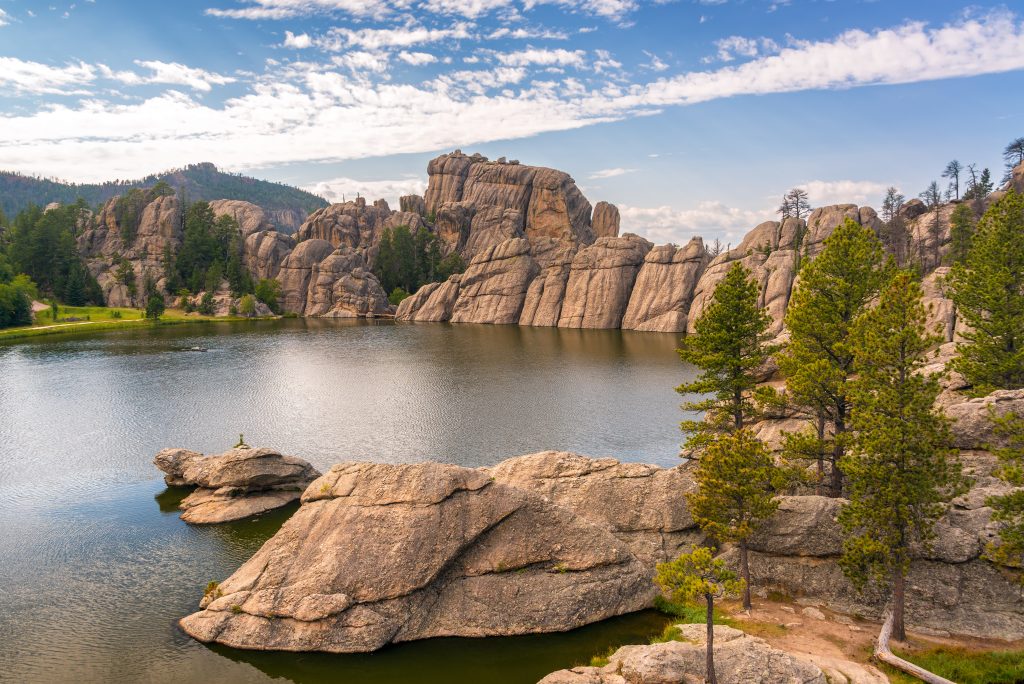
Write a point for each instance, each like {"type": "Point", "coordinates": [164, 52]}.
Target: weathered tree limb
{"type": "Point", "coordinates": [883, 653]}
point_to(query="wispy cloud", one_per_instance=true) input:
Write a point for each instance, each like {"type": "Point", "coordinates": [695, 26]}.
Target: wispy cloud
{"type": "Point", "coordinates": [710, 219]}
{"type": "Point", "coordinates": [821, 192]}
{"type": "Point", "coordinates": [609, 173]}
{"type": "Point", "coordinates": [19, 76]}
{"type": "Point", "coordinates": [5, 18]}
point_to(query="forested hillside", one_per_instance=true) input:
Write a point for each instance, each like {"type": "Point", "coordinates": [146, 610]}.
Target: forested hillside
{"type": "Point", "coordinates": [199, 181]}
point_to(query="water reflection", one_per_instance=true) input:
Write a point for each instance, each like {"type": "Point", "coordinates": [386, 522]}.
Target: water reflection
{"type": "Point", "coordinates": [95, 565]}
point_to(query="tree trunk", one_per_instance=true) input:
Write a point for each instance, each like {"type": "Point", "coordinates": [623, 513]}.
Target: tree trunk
{"type": "Point", "coordinates": [899, 630]}
{"type": "Point", "coordinates": [837, 454]}
{"type": "Point", "coordinates": [745, 571]}
{"type": "Point", "coordinates": [711, 638]}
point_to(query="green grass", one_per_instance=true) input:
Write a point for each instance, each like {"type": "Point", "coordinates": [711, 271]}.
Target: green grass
{"type": "Point", "coordinates": [963, 666]}
{"type": "Point", "coordinates": [98, 318]}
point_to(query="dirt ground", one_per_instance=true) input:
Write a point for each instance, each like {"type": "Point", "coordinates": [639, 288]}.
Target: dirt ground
{"type": "Point", "coordinates": [840, 645]}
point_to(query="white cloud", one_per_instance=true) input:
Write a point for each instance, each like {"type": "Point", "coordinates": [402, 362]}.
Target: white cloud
{"type": "Point", "coordinates": [340, 189]}
{"type": "Point", "coordinates": [737, 46]}
{"type": "Point", "coordinates": [20, 76]}
{"type": "Point", "coordinates": [338, 39]}
{"type": "Point", "coordinates": [307, 111]}
{"type": "Point", "coordinates": [523, 34]}
{"type": "Point", "coordinates": [174, 73]}
{"type": "Point", "coordinates": [416, 58]}
{"type": "Point", "coordinates": [709, 219]}
{"type": "Point", "coordinates": [656, 64]}
{"type": "Point", "coordinates": [285, 9]}
{"type": "Point", "coordinates": [298, 42]}
{"type": "Point", "coordinates": [614, 10]}
{"type": "Point", "coordinates": [5, 18]}
{"type": "Point", "coordinates": [609, 173]}
{"type": "Point", "coordinates": [542, 57]}
{"type": "Point", "coordinates": [821, 193]}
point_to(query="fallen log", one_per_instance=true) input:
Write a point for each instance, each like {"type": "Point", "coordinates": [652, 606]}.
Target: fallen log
{"type": "Point", "coordinates": [883, 653]}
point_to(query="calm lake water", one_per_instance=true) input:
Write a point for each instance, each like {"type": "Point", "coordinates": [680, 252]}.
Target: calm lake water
{"type": "Point", "coordinates": [96, 567]}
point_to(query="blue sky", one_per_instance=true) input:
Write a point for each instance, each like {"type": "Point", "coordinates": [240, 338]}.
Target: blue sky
{"type": "Point", "coordinates": [693, 116]}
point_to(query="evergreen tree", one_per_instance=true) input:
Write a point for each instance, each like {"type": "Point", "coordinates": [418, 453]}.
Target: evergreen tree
{"type": "Point", "coordinates": [736, 479]}
{"type": "Point", "coordinates": [268, 291]}
{"type": "Point", "coordinates": [901, 469]}
{"type": "Point", "coordinates": [694, 576]}
{"type": "Point", "coordinates": [1008, 509]}
{"type": "Point", "coordinates": [729, 345]}
{"type": "Point", "coordinates": [952, 172]}
{"type": "Point", "coordinates": [988, 290]}
{"type": "Point", "coordinates": [961, 228]}
{"type": "Point", "coordinates": [795, 204]}
{"type": "Point", "coordinates": [932, 198]}
{"type": "Point", "coordinates": [1013, 155]}
{"type": "Point", "coordinates": [818, 362]}
{"type": "Point", "coordinates": [895, 236]}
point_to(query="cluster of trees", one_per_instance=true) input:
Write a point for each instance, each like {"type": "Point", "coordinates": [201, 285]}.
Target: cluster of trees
{"type": "Point", "coordinates": [406, 261]}
{"type": "Point", "coordinates": [129, 207]}
{"type": "Point", "coordinates": [196, 181]}
{"type": "Point", "coordinates": [39, 257]}
{"type": "Point", "coordinates": [858, 341]}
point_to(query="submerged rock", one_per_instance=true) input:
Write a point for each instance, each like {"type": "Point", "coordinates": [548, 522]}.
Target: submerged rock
{"type": "Point", "coordinates": [739, 659]}
{"type": "Point", "coordinates": [236, 484]}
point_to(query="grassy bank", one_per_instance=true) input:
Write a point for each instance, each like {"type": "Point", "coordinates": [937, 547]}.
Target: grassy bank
{"type": "Point", "coordinates": [961, 665]}
{"type": "Point", "coordinates": [74, 319]}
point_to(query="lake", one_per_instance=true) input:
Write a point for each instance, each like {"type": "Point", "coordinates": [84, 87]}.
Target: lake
{"type": "Point", "coordinates": [96, 567]}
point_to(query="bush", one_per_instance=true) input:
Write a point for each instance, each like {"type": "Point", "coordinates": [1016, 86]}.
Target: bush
{"type": "Point", "coordinates": [268, 291]}
{"type": "Point", "coordinates": [15, 306]}
{"type": "Point", "coordinates": [206, 304]}
{"type": "Point", "coordinates": [154, 307]}
{"type": "Point", "coordinates": [397, 295]}
{"type": "Point", "coordinates": [115, 314]}
{"type": "Point", "coordinates": [247, 306]}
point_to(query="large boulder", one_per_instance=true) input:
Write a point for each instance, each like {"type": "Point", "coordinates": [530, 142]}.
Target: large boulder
{"type": "Point", "coordinates": [236, 484]}
{"type": "Point", "coordinates": [661, 297]}
{"type": "Point", "coordinates": [381, 553]}
{"type": "Point", "coordinates": [432, 303]}
{"type": "Point", "coordinates": [296, 272]}
{"type": "Point", "coordinates": [638, 503]}
{"type": "Point", "coordinates": [739, 659]}
{"type": "Point", "coordinates": [355, 224]}
{"type": "Point", "coordinates": [601, 281]}
{"type": "Point", "coordinates": [265, 251]}
{"type": "Point", "coordinates": [341, 287]}
{"type": "Point", "coordinates": [494, 286]}
{"type": "Point", "coordinates": [250, 217]}
{"type": "Point", "coordinates": [972, 418]}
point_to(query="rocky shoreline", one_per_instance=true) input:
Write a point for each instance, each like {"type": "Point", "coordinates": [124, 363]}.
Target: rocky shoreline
{"type": "Point", "coordinates": [383, 553]}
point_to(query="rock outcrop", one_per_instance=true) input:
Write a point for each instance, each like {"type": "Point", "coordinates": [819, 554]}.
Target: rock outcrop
{"type": "Point", "coordinates": [606, 220]}
{"type": "Point", "coordinates": [493, 288]}
{"type": "Point", "coordinates": [236, 484]}
{"type": "Point", "coordinates": [660, 300]}
{"type": "Point", "coordinates": [600, 282]}
{"type": "Point", "coordinates": [297, 272]}
{"type": "Point", "coordinates": [355, 224]}
{"type": "Point", "coordinates": [265, 251]}
{"type": "Point", "coordinates": [250, 217]}
{"type": "Point", "coordinates": [381, 553]}
{"type": "Point", "coordinates": [341, 286]}
{"type": "Point", "coordinates": [739, 659]}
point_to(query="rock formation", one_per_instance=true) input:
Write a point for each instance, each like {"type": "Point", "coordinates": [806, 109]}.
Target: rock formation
{"type": "Point", "coordinates": [236, 484]}
{"type": "Point", "coordinates": [600, 282]}
{"type": "Point", "coordinates": [250, 217]}
{"type": "Point", "coordinates": [554, 540]}
{"type": "Point", "coordinates": [494, 286]}
{"type": "Point", "coordinates": [660, 300]}
{"type": "Point", "coordinates": [606, 220]}
{"type": "Point", "coordinates": [340, 286]}
{"type": "Point", "coordinates": [381, 553]}
{"type": "Point", "coordinates": [739, 659]}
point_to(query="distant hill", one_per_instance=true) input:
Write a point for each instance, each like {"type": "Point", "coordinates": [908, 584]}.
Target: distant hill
{"type": "Point", "coordinates": [200, 182]}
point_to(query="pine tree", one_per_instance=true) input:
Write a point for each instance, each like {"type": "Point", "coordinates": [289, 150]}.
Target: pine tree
{"type": "Point", "coordinates": [1013, 155]}
{"type": "Point", "coordinates": [988, 290]}
{"type": "Point", "coordinates": [729, 344]}
{"type": "Point", "coordinates": [961, 228]}
{"type": "Point", "coordinates": [736, 478]}
{"type": "Point", "coordinates": [952, 172]}
{"type": "Point", "coordinates": [1008, 509]}
{"type": "Point", "coordinates": [901, 469]}
{"type": "Point", "coordinates": [818, 362]}
{"type": "Point", "coordinates": [694, 576]}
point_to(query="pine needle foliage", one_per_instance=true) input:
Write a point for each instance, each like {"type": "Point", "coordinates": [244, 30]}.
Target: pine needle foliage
{"type": "Point", "coordinates": [901, 469]}
{"type": "Point", "coordinates": [736, 480]}
{"type": "Point", "coordinates": [1008, 509]}
{"type": "Point", "coordinates": [988, 290]}
{"type": "Point", "coordinates": [729, 344]}
{"type": "Point", "coordinates": [818, 363]}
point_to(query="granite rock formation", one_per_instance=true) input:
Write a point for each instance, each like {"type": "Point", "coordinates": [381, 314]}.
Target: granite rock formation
{"type": "Point", "coordinates": [382, 553]}
{"type": "Point", "coordinates": [600, 282]}
{"type": "Point", "coordinates": [660, 300]}
{"type": "Point", "coordinates": [236, 484]}
{"type": "Point", "coordinates": [739, 659]}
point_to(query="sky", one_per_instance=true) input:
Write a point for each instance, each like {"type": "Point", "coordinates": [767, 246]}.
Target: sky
{"type": "Point", "coordinates": [693, 116]}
